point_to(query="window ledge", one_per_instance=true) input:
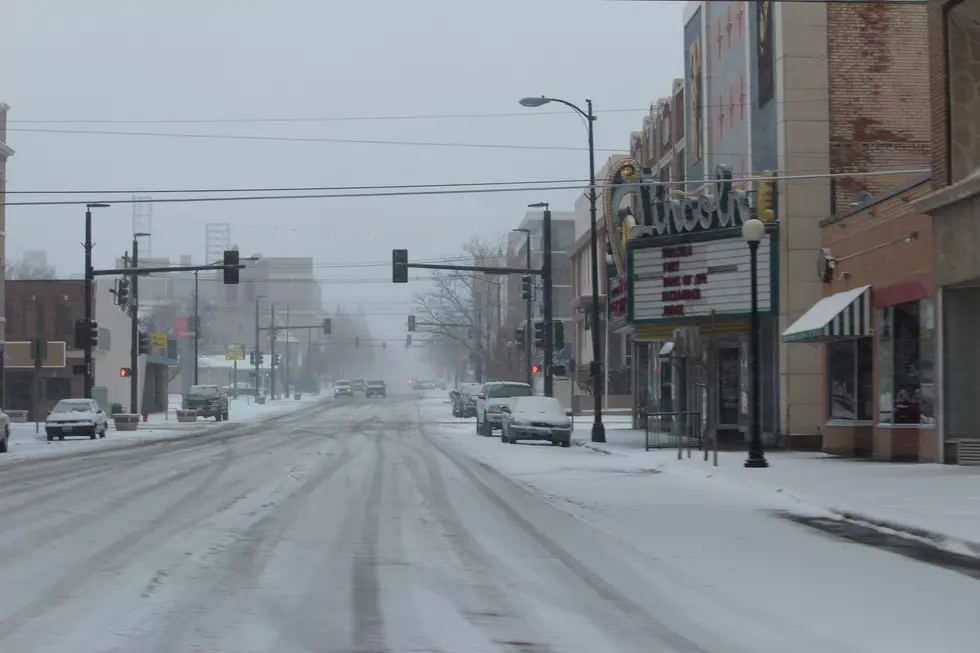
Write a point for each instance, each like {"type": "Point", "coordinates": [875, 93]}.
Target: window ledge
{"type": "Point", "coordinates": [849, 422]}
{"type": "Point", "coordinates": [905, 426]}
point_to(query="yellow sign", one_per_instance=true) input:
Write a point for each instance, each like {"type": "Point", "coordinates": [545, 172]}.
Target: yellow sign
{"type": "Point", "coordinates": [235, 353]}
{"type": "Point", "coordinates": [159, 340]}
{"type": "Point", "coordinates": [18, 355]}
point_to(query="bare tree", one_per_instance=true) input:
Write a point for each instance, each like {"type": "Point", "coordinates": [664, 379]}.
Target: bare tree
{"type": "Point", "coordinates": [457, 310]}
{"type": "Point", "coordinates": [24, 270]}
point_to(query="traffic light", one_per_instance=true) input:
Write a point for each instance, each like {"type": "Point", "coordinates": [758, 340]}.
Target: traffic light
{"type": "Point", "coordinates": [536, 369]}
{"type": "Point", "coordinates": [357, 342]}
{"type": "Point", "coordinates": [399, 266]}
{"type": "Point", "coordinates": [327, 326]}
{"type": "Point", "coordinates": [521, 337]}
{"type": "Point", "coordinates": [526, 286]}
{"type": "Point", "coordinates": [82, 334]}
{"type": "Point", "coordinates": [559, 335]}
{"type": "Point", "coordinates": [763, 197]}
{"type": "Point", "coordinates": [122, 292]}
{"type": "Point", "coordinates": [539, 335]}
{"type": "Point", "coordinates": [251, 358]}
{"type": "Point", "coordinates": [231, 266]}
{"type": "Point", "coordinates": [93, 334]}
{"type": "Point", "coordinates": [411, 323]}
{"type": "Point", "coordinates": [408, 341]}
{"type": "Point", "coordinates": [125, 371]}
{"type": "Point", "coordinates": [143, 342]}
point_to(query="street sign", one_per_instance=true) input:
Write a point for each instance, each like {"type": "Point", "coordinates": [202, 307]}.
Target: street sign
{"type": "Point", "coordinates": [235, 353]}
{"type": "Point", "coordinates": [159, 340]}
{"type": "Point", "coordinates": [18, 355]}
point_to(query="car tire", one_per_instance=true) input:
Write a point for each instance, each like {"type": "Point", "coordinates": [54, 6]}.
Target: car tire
{"type": "Point", "coordinates": [105, 427]}
{"type": "Point", "coordinates": [503, 435]}
{"type": "Point", "coordinates": [50, 438]}
{"type": "Point", "coordinates": [5, 444]}
{"type": "Point", "coordinates": [94, 435]}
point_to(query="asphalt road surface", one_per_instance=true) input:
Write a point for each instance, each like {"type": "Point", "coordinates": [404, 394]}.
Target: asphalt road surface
{"type": "Point", "coordinates": [347, 527]}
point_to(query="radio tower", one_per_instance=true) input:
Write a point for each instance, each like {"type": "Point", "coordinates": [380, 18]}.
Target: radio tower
{"type": "Point", "coordinates": [143, 222]}
{"type": "Point", "coordinates": [217, 238]}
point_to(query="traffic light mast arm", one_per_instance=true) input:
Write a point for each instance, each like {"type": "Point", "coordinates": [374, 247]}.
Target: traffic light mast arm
{"type": "Point", "coordinates": [471, 268]}
{"type": "Point", "coordinates": [142, 271]}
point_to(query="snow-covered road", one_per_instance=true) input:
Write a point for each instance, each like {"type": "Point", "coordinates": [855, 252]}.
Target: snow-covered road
{"type": "Point", "coordinates": [378, 525]}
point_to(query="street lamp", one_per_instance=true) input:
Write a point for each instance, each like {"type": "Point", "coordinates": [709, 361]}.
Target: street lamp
{"type": "Point", "coordinates": [89, 278]}
{"type": "Point", "coordinates": [753, 231]}
{"type": "Point", "coordinates": [527, 318]}
{"type": "Point", "coordinates": [598, 429]}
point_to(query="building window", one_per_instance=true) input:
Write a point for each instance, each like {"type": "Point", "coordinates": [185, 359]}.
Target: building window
{"type": "Point", "coordinates": [906, 364]}
{"type": "Point", "coordinates": [65, 314]}
{"type": "Point", "coordinates": [10, 314]}
{"type": "Point", "coordinates": [849, 374]}
{"type": "Point", "coordinates": [33, 319]}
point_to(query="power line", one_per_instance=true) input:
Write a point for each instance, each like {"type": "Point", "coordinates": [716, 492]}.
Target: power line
{"type": "Point", "coordinates": [452, 191]}
{"type": "Point", "coordinates": [310, 139]}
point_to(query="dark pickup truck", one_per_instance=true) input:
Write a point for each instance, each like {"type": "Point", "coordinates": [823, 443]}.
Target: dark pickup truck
{"type": "Point", "coordinates": [208, 401]}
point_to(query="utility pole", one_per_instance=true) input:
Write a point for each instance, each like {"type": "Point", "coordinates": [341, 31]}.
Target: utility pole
{"type": "Point", "coordinates": [89, 280]}
{"type": "Point", "coordinates": [286, 376]}
{"type": "Point", "coordinates": [197, 325]}
{"type": "Point", "coordinates": [258, 359]}
{"type": "Point", "coordinates": [134, 333]}
{"type": "Point", "coordinates": [272, 351]}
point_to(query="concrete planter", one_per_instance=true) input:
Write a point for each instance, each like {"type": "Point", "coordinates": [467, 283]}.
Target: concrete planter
{"type": "Point", "coordinates": [260, 399]}
{"type": "Point", "coordinates": [297, 395]}
{"type": "Point", "coordinates": [126, 421]}
{"type": "Point", "coordinates": [186, 415]}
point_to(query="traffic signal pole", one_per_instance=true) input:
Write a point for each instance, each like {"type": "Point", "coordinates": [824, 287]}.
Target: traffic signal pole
{"type": "Point", "coordinates": [134, 333]}
{"type": "Point", "coordinates": [549, 333]}
{"type": "Point", "coordinates": [272, 351]}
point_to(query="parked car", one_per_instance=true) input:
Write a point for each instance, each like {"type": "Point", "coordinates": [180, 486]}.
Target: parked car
{"type": "Point", "coordinates": [358, 385]}
{"type": "Point", "coordinates": [208, 401]}
{"type": "Point", "coordinates": [493, 398]}
{"type": "Point", "coordinates": [376, 389]}
{"type": "Point", "coordinates": [464, 399]}
{"type": "Point", "coordinates": [536, 418]}
{"type": "Point", "coordinates": [5, 433]}
{"type": "Point", "coordinates": [343, 389]}
{"type": "Point", "coordinates": [79, 417]}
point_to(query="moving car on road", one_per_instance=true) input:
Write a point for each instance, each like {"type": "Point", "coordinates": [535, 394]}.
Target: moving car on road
{"type": "Point", "coordinates": [536, 418]}
{"type": "Point", "coordinates": [493, 398]}
{"type": "Point", "coordinates": [464, 399]}
{"type": "Point", "coordinates": [376, 389]}
{"type": "Point", "coordinates": [80, 417]}
{"type": "Point", "coordinates": [208, 401]}
{"type": "Point", "coordinates": [343, 389]}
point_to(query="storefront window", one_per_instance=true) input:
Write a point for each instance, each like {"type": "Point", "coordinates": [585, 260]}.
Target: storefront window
{"type": "Point", "coordinates": [906, 365]}
{"type": "Point", "coordinates": [849, 371]}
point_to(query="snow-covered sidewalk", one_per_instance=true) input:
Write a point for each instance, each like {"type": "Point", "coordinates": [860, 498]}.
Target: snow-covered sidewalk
{"type": "Point", "coordinates": [939, 504]}
{"type": "Point", "coordinates": [27, 440]}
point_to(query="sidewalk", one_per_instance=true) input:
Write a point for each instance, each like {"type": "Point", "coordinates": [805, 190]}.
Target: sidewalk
{"type": "Point", "coordinates": [26, 443]}
{"type": "Point", "coordinates": [937, 504]}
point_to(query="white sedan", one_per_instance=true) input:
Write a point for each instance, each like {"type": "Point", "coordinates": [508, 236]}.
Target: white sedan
{"type": "Point", "coordinates": [80, 417]}
{"type": "Point", "coordinates": [536, 418]}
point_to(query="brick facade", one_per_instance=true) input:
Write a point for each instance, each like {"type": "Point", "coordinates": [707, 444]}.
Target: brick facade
{"type": "Point", "coordinates": [45, 309]}
{"type": "Point", "coordinates": [879, 102]}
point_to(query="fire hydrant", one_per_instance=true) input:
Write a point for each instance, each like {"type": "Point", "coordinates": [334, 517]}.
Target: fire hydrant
{"type": "Point", "coordinates": [146, 416]}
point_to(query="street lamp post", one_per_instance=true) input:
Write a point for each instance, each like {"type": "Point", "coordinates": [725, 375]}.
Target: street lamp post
{"type": "Point", "coordinates": [529, 372]}
{"type": "Point", "coordinates": [89, 279]}
{"type": "Point", "coordinates": [598, 429]}
{"type": "Point", "coordinates": [753, 231]}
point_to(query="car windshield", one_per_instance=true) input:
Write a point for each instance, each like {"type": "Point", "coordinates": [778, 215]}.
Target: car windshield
{"type": "Point", "coordinates": [73, 407]}
{"type": "Point", "coordinates": [203, 390]}
{"type": "Point", "coordinates": [537, 405]}
{"type": "Point", "coordinates": [341, 384]}
{"type": "Point", "coordinates": [505, 390]}
{"type": "Point", "coordinates": [376, 382]}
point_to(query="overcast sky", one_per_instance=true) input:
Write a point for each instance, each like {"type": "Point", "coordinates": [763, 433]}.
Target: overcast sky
{"type": "Point", "coordinates": [223, 60]}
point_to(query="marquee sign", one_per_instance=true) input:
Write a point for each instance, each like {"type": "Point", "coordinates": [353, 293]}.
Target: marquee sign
{"type": "Point", "coordinates": [666, 210]}
{"type": "Point", "coordinates": [691, 280]}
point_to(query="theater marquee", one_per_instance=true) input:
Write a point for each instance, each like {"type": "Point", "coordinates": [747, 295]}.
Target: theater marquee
{"type": "Point", "coordinates": [693, 279]}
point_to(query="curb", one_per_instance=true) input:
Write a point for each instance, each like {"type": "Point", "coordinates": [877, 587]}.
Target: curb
{"type": "Point", "coordinates": [935, 539]}
{"type": "Point", "coordinates": [585, 444]}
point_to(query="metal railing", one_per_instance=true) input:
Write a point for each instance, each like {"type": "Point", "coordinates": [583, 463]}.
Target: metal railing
{"type": "Point", "coordinates": [673, 429]}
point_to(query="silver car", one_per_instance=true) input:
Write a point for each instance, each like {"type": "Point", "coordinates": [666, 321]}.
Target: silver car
{"type": "Point", "coordinates": [536, 418]}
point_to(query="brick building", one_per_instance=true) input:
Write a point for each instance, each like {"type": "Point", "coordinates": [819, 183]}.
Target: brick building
{"type": "Point", "coordinates": [954, 41]}
{"type": "Point", "coordinates": [876, 329]}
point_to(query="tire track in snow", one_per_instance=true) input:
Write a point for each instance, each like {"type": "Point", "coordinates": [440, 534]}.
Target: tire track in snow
{"type": "Point", "coordinates": [368, 622]}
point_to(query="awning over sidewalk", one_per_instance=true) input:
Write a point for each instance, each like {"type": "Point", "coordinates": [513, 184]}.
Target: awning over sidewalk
{"type": "Point", "coordinates": [838, 317]}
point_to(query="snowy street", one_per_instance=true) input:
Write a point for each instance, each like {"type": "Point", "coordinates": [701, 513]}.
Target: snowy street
{"type": "Point", "coordinates": [387, 526]}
